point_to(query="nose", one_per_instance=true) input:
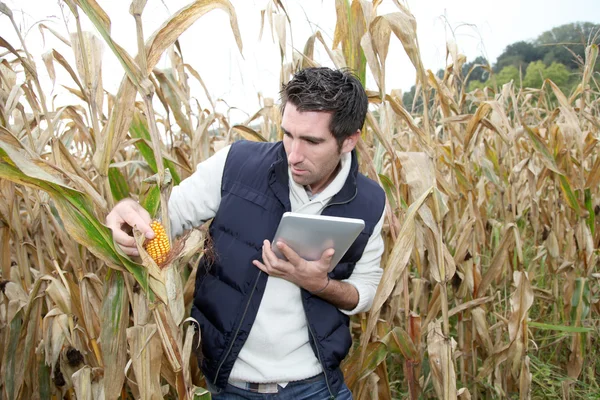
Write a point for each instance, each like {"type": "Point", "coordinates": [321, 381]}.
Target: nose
{"type": "Point", "coordinates": [295, 155]}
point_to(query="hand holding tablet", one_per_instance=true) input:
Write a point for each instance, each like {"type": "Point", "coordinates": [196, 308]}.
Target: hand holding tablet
{"type": "Point", "coordinates": [310, 235]}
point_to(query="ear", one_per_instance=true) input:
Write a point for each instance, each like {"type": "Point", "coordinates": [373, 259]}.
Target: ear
{"type": "Point", "coordinates": [350, 142]}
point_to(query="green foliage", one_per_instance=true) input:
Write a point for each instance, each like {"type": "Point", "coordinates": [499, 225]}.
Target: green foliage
{"type": "Point", "coordinates": [508, 73]}
{"type": "Point", "coordinates": [566, 44]}
{"type": "Point", "coordinates": [556, 54]}
{"type": "Point", "coordinates": [534, 75]}
{"type": "Point", "coordinates": [559, 74]}
{"type": "Point", "coordinates": [519, 55]}
{"type": "Point", "coordinates": [563, 44]}
{"type": "Point", "coordinates": [537, 72]}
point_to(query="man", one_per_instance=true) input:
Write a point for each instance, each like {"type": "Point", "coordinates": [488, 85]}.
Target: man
{"type": "Point", "coordinates": [270, 325]}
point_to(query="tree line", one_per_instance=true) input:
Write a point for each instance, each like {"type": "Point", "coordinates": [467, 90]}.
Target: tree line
{"type": "Point", "coordinates": [557, 54]}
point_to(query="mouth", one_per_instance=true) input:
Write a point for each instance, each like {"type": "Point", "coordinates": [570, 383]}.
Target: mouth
{"type": "Point", "coordinates": [297, 171]}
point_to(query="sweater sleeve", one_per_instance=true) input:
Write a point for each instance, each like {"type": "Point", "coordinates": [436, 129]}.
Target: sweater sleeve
{"type": "Point", "coordinates": [196, 199]}
{"type": "Point", "coordinates": [367, 271]}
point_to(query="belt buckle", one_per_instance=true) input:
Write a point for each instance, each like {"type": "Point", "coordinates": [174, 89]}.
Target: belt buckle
{"type": "Point", "coordinates": [263, 387]}
{"type": "Point", "coordinates": [257, 387]}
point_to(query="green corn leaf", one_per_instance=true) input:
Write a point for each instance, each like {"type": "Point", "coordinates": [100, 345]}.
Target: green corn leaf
{"type": "Point", "coordinates": [389, 188]}
{"type": "Point", "coordinates": [12, 354]}
{"type": "Point", "coordinates": [44, 379]}
{"type": "Point", "coordinates": [589, 205]}
{"type": "Point", "coordinates": [399, 341]}
{"type": "Point", "coordinates": [542, 149]}
{"type": "Point", "coordinates": [569, 195]}
{"type": "Point", "coordinates": [201, 394]}
{"type": "Point", "coordinates": [150, 199]}
{"type": "Point", "coordinates": [376, 354]}
{"type": "Point", "coordinates": [113, 336]}
{"type": "Point", "coordinates": [580, 301]}
{"type": "Point", "coordinates": [560, 328]}
{"type": "Point", "coordinates": [139, 130]}
{"type": "Point", "coordinates": [118, 184]}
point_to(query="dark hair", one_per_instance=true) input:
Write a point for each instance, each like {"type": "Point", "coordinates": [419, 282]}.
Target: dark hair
{"type": "Point", "coordinates": [336, 91]}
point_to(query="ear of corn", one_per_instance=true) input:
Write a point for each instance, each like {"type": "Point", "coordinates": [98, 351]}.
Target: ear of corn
{"type": "Point", "coordinates": [159, 247]}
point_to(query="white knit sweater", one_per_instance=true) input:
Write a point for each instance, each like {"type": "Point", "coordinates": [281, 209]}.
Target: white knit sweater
{"type": "Point", "coordinates": [277, 348]}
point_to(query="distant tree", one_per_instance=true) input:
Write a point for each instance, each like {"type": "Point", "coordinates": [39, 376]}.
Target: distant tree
{"type": "Point", "coordinates": [408, 97]}
{"type": "Point", "coordinates": [473, 85]}
{"type": "Point", "coordinates": [537, 72]}
{"type": "Point", "coordinates": [560, 75]}
{"type": "Point", "coordinates": [479, 73]}
{"type": "Point", "coordinates": [508, 73]}
{"type": "Point", "coordinates": [566, 43]}
{"type": "Point", "coordinates": [534, 76]}
{"type": "Point", "coordinates": [518, 54]}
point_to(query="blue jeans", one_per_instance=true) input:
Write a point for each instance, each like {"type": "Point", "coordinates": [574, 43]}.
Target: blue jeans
{"type": "Point", "coordinates": [293, 391]}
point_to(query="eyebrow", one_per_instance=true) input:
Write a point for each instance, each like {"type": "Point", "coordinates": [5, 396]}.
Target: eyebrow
{"type": "Point", "coordinates": [305, 137]}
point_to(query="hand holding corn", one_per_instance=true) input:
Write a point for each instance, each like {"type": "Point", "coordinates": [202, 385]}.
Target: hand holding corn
{"type": "Point", "coordinates": [122, 218]}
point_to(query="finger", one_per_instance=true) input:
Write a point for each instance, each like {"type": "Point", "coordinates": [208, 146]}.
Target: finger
{"type": "Point", "coordinates": [137, 216]}
{"type": "Point", "coordinates": [269, 255]}
{"type": "Point", "coordinates": [327, 256]}
{"type": "Point", "coordinates": [113, 220]}
{"type": "Point", "coordinates": [290, 254]}
{"type": "Point", "coordinates": [123, 238]}
{"type": "Point", "coordinates": [260, 266]}
{"type": "Point", "coordinates": [269, 258]}
{"type": "Point", "coordinates": [130, 251]}
{"type": "Point", "coordinates": [278, 266]}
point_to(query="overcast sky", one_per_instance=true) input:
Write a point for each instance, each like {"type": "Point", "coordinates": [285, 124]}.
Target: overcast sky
{"type": "Point", "coordinates": [478, 27]}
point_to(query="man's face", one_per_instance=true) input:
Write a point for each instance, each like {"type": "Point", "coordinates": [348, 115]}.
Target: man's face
{"type": "Point", "coordinates": [312, 150]}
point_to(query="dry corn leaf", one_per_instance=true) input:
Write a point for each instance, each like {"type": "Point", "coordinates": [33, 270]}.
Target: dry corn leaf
{"type": "Point", "coordinates": [520, 302]}
{"type": "Point", "coordinates": [188, 350]}
{"type": "Point", "coordinates": [146, 353]}
{"type": "Point", "coordinates": [440, 351]}
{"type": "Point", "coordinates": [525, 378]}
{"type": "Point", "coordinates": [174, 290]}
{"type": "Point", "coordinates": [497, 263]}
{"type": "Point", "coordinates": [91, 288]}
{"type": "Point", "coordinates": [82, 383]}
{"type": "Point", "coordinates": [483, 330]}
{"type": "Point", "coordinates": [88, 60]}
{"type": "Point", "coordinates": [396, 264]}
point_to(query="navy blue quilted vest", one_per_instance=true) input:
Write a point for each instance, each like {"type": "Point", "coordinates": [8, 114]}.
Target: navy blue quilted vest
{"type": "Point", "coordinates": [229, 289]}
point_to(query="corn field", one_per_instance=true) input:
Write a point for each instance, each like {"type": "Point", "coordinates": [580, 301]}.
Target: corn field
{"type": "Point", "coordinates": [490, 284]}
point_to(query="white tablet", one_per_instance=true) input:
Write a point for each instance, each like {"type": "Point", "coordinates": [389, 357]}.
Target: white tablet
{"type": "Point", "coordinates": [311, 235]}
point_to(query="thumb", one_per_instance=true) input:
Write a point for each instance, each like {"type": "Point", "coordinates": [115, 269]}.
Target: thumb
{"type": "Point", "coordinates": [327, 256]}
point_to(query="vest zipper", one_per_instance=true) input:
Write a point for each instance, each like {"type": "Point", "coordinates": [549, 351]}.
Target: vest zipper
{"type": "Point", "coordinates": [331, 396]}
{"type": "Point", "coordinates": [238, 328]}
{"type": "Point", "coordinates": [343, 202]}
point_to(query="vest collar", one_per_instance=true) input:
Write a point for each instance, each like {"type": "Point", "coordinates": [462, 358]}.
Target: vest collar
{"type": "Point", "coordinates": [279, 181]}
